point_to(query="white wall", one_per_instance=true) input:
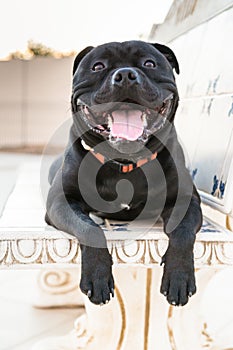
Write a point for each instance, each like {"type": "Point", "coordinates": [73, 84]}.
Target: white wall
{"type": "Point", "coordinates": [34, 99]}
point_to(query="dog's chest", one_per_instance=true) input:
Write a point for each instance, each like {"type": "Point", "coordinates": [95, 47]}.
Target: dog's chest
{"type": "Point", "coordinates": [110, 191]}
{"type": "Point", "coordinates": [127, 192]}
{"type": "Point", "coordinates": [124, 191]}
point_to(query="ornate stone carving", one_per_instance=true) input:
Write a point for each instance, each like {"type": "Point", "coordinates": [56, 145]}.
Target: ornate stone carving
{"type": "Point", "coordinates": [214, 245]}
{"type": "Point", "coordinates": [57, 282]}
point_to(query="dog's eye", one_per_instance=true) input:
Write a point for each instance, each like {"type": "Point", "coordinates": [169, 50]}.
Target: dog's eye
{"type": "Point", "coordinates": [98, 66]}
{"type": "Point", "coordinates": [150, 64]}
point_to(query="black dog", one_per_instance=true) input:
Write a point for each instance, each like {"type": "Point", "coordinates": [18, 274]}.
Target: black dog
{"type": "Point", "coordinates": [124, 162]}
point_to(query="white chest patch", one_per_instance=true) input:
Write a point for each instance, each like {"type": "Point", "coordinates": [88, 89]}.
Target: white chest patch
{"type": "Point", "coordinates": [125, 206]}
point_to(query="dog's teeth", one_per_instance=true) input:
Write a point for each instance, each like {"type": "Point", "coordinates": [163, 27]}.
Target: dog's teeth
{"type": "Point", "coordinates": [144, 120]}
{"type": "Point", "coordinates": [85, 146]}
{"type": "Point", "coordinates": [109, 121]}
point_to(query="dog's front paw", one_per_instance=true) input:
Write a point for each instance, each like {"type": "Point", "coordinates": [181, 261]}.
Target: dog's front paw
{"type": "Point", "coordinates": [178, 281]}
{"type": "Point", "coordinates": [96, 278]}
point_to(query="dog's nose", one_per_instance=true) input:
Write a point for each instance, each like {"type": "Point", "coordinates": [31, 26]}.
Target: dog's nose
{"type": "Point", "coordinates": [125, 77]}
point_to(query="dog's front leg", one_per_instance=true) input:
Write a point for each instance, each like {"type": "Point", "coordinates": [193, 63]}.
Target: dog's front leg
{"type": "Point", "coordinates": [65, 213]}
{"type": "Point", "coordinates": [178, 282]}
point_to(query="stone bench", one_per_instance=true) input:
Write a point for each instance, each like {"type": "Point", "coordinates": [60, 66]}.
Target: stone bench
{"type": "Point", "coordinates": [138, 317]}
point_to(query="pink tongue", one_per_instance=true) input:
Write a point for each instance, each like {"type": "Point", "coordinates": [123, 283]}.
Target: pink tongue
{"type": "Point", "coordinates": [127, 124]}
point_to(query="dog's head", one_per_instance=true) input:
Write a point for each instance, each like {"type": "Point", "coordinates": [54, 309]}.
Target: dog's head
{"type": "Point", "coordinates": [124, 93]}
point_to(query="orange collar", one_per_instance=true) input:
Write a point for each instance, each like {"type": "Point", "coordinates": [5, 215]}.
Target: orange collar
{"type": "Point", "coordinates": [122, 167]}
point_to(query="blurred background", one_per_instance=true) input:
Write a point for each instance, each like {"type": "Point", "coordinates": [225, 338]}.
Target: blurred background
{"type": "Point", "coordinates": [38, 42]}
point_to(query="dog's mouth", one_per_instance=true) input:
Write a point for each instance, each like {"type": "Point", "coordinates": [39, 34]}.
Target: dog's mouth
{"type": "Point", "coordinates": [126, 120]}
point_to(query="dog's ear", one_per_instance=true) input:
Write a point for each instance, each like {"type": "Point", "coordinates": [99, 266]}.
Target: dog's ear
{"type": "Point", "coordinates": [80, 56]}
{"type": "Point", "coordinates": [170, 56]}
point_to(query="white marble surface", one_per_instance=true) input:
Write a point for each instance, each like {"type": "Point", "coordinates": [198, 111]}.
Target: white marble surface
{"type": "Point", "coordinates": [22, 325]}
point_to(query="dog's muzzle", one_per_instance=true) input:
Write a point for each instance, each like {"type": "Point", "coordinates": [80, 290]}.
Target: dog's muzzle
{"type": "Point", "coordinates": [126, 121]}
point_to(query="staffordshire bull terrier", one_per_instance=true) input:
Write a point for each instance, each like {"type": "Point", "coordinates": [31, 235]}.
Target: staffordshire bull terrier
{"type": "Point", "coordinates": [123, 161]}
